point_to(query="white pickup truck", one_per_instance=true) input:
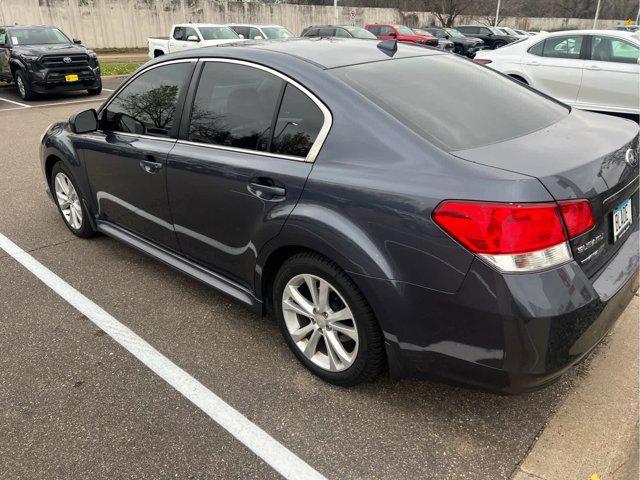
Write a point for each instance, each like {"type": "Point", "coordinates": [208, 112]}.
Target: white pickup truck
{"type": "Point", "coordinates": [191, 35]}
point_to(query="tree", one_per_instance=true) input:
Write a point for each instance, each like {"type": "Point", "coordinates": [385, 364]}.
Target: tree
{"type": "Point", "coordinates": [447, 10]}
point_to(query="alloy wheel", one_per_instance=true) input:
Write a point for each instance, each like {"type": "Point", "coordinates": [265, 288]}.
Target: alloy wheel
{"type": "Point", "coordinates": [320, 322]}
{"type": "Point", "coordinates": [21, 87]}
{"type": "Point", "coordinates": [68, 201]}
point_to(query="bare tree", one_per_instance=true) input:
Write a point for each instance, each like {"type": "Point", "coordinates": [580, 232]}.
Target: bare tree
{"type": "Point", "coordinates": [446, 11]}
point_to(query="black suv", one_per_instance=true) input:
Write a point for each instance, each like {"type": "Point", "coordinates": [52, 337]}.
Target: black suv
{"type": "Point", "coordinates": [462, 45]}
{"type": "Point", "coordinates": [492, 37]}
{"type": "Point", "coordinates": [41, 59]}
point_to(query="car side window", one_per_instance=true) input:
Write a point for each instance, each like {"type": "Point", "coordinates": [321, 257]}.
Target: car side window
{"type": "Point", "coordinates": [178, 33]}
{"type": "Point", "coordinates": [190, 32]}
{"type": "Point", "coordinates": [326, 32]}
{"type": "Point", "coordinates": [312, 33]}
{"type": "Point", "coordinates": [147, 105]}
{"type": "Point", "coordinates": [563, 47]}
{"type": "Point", "coordinates": [234, 106]}
{"type": "Point", "coordinates": [254, 32]}
{"type": "Point", "coordinates": [609, 49]}
{"type": "Point", "coordinates": [386, 30]}
{"type": "Point", "coordinates": [482, 31]}
{"type": "Point", "coordinates": [375, 29]}
{"type": "Point", "coordinates": [341, 32]}
{"type": "Point", "coordinates": [3, 38]}
{"type": "Point", "coordinates": [299, 122]}
{"type": "Point", "coordinates": [537, 49]}
{"type": "Point", "coordinates": [244, 31]}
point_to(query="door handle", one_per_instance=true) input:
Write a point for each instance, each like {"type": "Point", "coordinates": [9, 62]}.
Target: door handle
{"type": "Point", "coordinates": [533, 62]}
{"type": "Point", "coordinates": [593, 67]}
{"type": "Point", "coordinates": [150, 166]}
{"type": "Point", "coordinates": [262, 189]}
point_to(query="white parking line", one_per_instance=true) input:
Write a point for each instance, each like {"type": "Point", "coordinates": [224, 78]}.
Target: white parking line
{"type": "Point", "coordinates": [39, 105]}
{"type": "Point", "coordinates": [23, 105]}
{"type": "Point", "coordinates": [108, 89]}
{"type": "Point", "coordinates": [253, 437]}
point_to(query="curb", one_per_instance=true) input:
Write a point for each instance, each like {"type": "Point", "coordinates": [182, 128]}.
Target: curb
{"type": "Point", "coordinates": [594, 433]}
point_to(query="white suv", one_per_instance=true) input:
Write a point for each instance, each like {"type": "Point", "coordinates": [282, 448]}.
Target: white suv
{"type": "Point", "coordinates": [259, 32]}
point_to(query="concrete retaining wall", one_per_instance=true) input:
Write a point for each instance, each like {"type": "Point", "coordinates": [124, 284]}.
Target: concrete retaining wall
{"type": "Point", "coordinates": [128, 23]}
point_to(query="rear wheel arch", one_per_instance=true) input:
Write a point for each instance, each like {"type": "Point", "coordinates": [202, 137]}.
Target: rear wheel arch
{"type": "Point", "coordinates": [519, 78]}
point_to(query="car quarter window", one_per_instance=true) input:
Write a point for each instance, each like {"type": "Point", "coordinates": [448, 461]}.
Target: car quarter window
{"type": "Point", "coordinates": [563, 47]}
{"type": "Point", "coordinates": [147, 105]}
{"type": "Point", "coordinates": [298, 125]}
{"type": "Point", "coordinates": [609, 49]}
{"type": "Point", "coordinates": [234, 106]}
{"type": "Point", "coordinates": [536, 49]}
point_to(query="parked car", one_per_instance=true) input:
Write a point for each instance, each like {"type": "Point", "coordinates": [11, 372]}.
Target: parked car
{"type": "Point", "coordinates": [512, 32]}
{"type": "Point", "coordinates": [462, 45]}
{"type": "Point", "coordinates": [443, 42]}
{"type": "Point", "coordinates": [627, 28]}
{"type": "Point", "coordinates": [588, 69]}
{"type": "Point", "coordinates": [42, 59]}
{"type": "Point", "coordinates": [258, 32]}
{"type": "Point", "coordinates": [387, 31]}
{"type": "Point", "coordinates": [345, 31]}
{"type": "Point", "coordinates": [491, 36]}
{"type": "Point", "coordinates": [191, 35]}
{"type": "Point", "coordinates": [466, 228]}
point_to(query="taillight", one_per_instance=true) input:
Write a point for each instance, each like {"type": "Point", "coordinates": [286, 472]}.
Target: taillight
{"type": "Point", "coordinates": [512, 237]}
{"type": "Point", "coordinates": [483, 61]}
{"type": "Point", "coordinates": [577, 216]}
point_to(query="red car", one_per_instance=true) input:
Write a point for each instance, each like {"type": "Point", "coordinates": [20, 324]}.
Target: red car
{"type": "Point", "coordinates": [388, 31]}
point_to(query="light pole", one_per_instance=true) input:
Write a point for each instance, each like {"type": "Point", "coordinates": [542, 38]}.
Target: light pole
{"type": "Point", "coordinates": [595, 20]}
{"type": "Point", "coordinates": [495, 24]}
{"type": "Point", "coordinates": [335, 10]}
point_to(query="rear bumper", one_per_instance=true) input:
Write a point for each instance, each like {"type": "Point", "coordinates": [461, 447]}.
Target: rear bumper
{"type": "Point", "coordinates": [507, 333]}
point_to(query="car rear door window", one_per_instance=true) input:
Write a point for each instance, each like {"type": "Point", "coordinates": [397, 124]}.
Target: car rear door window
{"type": "Point", "coordinates": [327, 32]}
{"type": "Point", "coordinates": [375, 29]}
{"type": "Point", "coordinates": [563, 47]}
{"type": "Point", "coordinates": [178, 33]}
{"type": "Point", "coordinates": [234, 106]}
{"type": "Point", "coordinates": [298, 125]}
{"type": "Point", "coordinates": [147, 105]}
{"type": "Point", "coordinates": [609, 49]}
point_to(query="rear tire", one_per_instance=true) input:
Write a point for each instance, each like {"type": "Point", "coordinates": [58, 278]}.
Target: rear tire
{"type": "Point", "coordinates": [346, 351]}
{"type": "Point", "coordinates": [23, 85]}
{"type": "Point", "coordinates": [69, 201]}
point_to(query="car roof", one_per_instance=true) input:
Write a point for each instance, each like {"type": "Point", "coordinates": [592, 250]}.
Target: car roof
{"type": "Point", "coordinates": [323, 52]}
{"type": "Point", "coordinates": [259, 25]}
{"type": "Point", "coordinates": [26, 26]}
{"type": "Point", "coordinates": [200, 25]}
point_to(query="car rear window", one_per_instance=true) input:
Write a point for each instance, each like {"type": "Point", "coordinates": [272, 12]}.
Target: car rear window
{"type": "Point", "coordinates": [453, 103]}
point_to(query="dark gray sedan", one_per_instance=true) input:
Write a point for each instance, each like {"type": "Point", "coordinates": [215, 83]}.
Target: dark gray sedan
{"type": "Point", "coordinates": [392, 206]}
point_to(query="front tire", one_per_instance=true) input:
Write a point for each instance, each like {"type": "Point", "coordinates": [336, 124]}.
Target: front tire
{"type": "Point", "coordinates": [326, 321]}
{"type": "Point", "coordinates": [23, 85]}
{"type": "Point", "coordinates": [69, 202]}
{"type": "Point", "coordinates": [95, 91]}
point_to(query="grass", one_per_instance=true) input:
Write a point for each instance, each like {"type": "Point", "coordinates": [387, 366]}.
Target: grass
{"type": "Point", "coordinates": [108, 69]}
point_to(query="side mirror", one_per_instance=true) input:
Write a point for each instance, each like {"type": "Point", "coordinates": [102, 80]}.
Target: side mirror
{"type": "Point", "coordinates": [77, 41]}
{"type": "Point", "coordinates": [241, 35]}
{"type": "Point", "coordinates": [192, 38]}
{"type": "Point", "coordinates": [84, 122]}
{"type": "Point", "coordinates": [257, 37]}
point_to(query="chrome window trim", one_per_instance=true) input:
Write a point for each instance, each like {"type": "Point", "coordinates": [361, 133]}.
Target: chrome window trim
{"type": "Point", "coordinates": [313, 152]}
{"type": "Point", "coordinates": [322, 134]}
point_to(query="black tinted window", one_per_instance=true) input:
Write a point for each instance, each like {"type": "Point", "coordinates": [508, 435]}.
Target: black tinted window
{"type": "Point", "coordinates": [298, 125]}
{"type": "Point", "coordinates": [536, 49]}
{"type": "Point", "coordinates": [234, 106]}
{"type": "Point", "coordinates": [178, 33]}
{"type": "Point", "coordinates": [462, 105]}
{"type": "Point", "coordinates": [375, 29]}
{"type": "Point", "coordinates": [312, 33]}
{"type": "Point", "coordinates": [563, 47]}
{"type": "Point", "coordinates": [147, 106]}
{"type": "Point", "coordinates": [326, 32]}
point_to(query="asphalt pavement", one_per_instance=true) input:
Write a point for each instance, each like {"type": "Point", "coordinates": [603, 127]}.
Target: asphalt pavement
{"type": "Point", "coordinates": [76, 404]}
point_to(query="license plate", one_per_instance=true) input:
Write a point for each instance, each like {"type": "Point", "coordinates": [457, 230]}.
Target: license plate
{"type": "Point", "coordinates": [71, 78]}
{"type": "Point", "coordinates": [621, 219]}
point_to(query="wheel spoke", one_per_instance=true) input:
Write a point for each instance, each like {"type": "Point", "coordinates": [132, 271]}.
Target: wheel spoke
{"type": "Point", "coordinates": [332, 339]}
{"type": "Point", "coordinates": [323, 296]}
{"type": "Point", "coordinates": [298, 298]}
{"type": "Point", "coordinates": [333, 357]}
{"type": "Point", "coordinates": [313, 289]}
{"type": "Point", "coordinates": [340, 315]}
{"type": "Point", "coordinates": [348, 331]}
{"type": "Point", "coordinates": [63, 200]}
{"type": "Point", "coordinates": [289, 304]}
{"type": "Point", "coordinates": [312, 346]}
{"type": "Point", "coordinates": [302, 332]}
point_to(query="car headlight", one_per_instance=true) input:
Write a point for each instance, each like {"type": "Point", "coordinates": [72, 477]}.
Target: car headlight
{"type": "Point", "coordinates": [29, 58]}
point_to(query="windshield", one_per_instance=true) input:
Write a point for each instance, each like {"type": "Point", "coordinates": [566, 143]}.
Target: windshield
{"type": "Point", "coordinates": [217, 33]}
{"type": "Point", "coordinates": [463, 105]}
{"type": "Point", "coordinates": [403, 30]}
{"type": "Point", "coordinates": [37, 36]}
{"type": "Point", "coordinates": [358, 32]}
{"type": "Point", "coordinates": [277, 32]}
{"type": "Point", "coordinates": [453, 32]}
{"type": "Point", "coordinates": [510, 31]}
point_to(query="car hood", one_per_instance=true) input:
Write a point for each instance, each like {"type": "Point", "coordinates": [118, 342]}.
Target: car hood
{"type": "Point", "coordinates": [57, 49]}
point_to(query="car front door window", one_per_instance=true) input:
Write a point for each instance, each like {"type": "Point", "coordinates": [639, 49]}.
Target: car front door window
{"type": "Point", "coordinates": [608, 49]}
{"type": "Point", "coordinates": [147, 106]}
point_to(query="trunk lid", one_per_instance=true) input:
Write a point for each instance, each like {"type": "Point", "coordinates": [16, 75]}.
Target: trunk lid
{"type": "Point", "coordinates": [585, 155]}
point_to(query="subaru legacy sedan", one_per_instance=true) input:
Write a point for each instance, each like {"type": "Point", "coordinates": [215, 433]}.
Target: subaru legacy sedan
{"type": "Point", "coordinates": [467, 229]}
